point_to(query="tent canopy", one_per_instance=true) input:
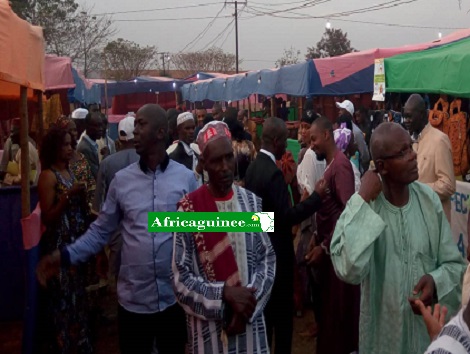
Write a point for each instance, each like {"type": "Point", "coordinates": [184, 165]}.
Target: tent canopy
{"type": "Point", "coordinates": [140, 84]}
{"type": "Point", "coordinates": [290, 80]}
{"type": "Point", "coordinates": [338, 76]}
{"type": "Point", "coordinates": [22, 54]}
{"type": "Point", "coordinates": [354, 73]}
{"type": "Point", "coordinates": [442, 70]}
{"type": "Point", "coordinates": [85, 91]}
{"type": "Point", "coordinates": [58, 73]}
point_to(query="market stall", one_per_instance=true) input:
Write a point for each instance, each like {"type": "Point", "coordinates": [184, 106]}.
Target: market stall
{"type": "Point", "coordinates": [21, 82]}
{"type": "Point", "coordinates": [441, 70]}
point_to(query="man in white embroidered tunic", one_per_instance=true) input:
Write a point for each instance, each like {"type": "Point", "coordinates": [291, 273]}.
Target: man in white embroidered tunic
{"type": "Point", "coordinates": [223, 280]}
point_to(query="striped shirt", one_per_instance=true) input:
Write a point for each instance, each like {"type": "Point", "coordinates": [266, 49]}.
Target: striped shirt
{"type": "Point", "coordinates": [453, 339]}
{"type": "Point", "coordinates": [202, 300]}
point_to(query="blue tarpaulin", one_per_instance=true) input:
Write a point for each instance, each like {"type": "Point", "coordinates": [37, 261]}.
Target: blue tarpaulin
{"type": "Point", "coordinates": [83, 93]}
{"type": "Point", "coordinates": [290, 80]}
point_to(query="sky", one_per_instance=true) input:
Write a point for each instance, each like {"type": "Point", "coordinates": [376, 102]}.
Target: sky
{"type": "Point", "coordinates": [262, 39]}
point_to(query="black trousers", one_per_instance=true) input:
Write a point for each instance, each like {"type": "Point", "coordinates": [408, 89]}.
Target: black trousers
{"type": "Point", "coordinates": [279, 311]}
{"type": "Point", "coordinates": [137, 332]}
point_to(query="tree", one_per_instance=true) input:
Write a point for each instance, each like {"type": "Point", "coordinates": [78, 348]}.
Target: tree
{"type": "Point", "coordinates": [69, 30]}
{"type": "Point", "coordinates": [333, 43]}
{"type": "Point", "coordinates": [212, 59]}
{"type": "Point", "coordinates": [126, 60]}
{"type": "Point", "coordinates": [291, 56]}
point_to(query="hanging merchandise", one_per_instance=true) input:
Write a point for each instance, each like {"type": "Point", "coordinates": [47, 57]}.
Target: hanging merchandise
{"type": "Point", "coordinates": [456, 129]}
{"type": "Point", "coordinates": [379, 81]}
{"type": "Point", "coordinates": [438, 118]}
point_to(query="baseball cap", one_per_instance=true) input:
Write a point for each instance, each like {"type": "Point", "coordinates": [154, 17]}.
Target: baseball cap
{"type": "Point", "coordinates": [80, 113]}
{"type": "Point", "coordinates": [347, 105]}
{"type": "Point", "coordinates": [126, 128]}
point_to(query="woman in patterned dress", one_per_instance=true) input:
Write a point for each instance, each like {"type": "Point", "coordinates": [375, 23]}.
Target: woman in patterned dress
{"type": "Point", "coordinates": [78, 164]}
{"type": "Point", "coordinates": [64, 325]}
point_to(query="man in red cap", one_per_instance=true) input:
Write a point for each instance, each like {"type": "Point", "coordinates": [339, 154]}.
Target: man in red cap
{"type": "Point", "coordinates": [223, 280]}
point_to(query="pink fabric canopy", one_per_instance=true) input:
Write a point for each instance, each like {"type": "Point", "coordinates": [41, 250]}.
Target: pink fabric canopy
{"type": "Point", "coordinates": [58, 73]}
{"type": "Point", "coordinates": [349, 64]}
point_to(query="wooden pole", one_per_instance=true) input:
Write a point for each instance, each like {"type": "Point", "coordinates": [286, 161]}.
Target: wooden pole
{"type": "Point", "coordinates": [273, 106]}
{"type": "Point", "coordinates": [249, 107]}
{"type": "Point", "coordinates": [40, 120]}
{"type": "Point", "coordinates": [24, 145]}
{"type": "Point", "coordinates": [300, 110]}
{"type": "Point", "coordinates": [105, 84]}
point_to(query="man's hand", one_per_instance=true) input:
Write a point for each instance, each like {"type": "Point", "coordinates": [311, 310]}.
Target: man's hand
{"type": "Point", "coordinates": [105, 151]}
{"type": "Point", "coordinates": [371, 186]}
{"type": "Point", "coordinates": [241, 300]}
{"type": "Point", "coordinates": [305, 195]}
{"type": "Point", "coordinates": [426, 287]}
{"type": "Point", "coordinates": [237, 325]}
{"type": "Point", "coordinates": [315, 255]}
{"type": "Point", "coordinates": [48, 267]}
{"type": "Point", "coordinates": [322, 188]}
{"type": "Point", "coordinates": [434, 321]}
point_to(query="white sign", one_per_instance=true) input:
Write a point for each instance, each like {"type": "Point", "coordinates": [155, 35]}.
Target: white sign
{"type": "Point", "coordinates": [379, 81]}
{"type": "Point", "coordinates": [460, 216]}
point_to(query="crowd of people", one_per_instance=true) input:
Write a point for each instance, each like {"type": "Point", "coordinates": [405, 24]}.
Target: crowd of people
{"type": "Point", "coordinates": [374, 256]}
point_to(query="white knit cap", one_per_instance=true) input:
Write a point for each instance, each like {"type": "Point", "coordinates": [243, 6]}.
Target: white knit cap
{"type": "Point", "coordinates": [183, 117]}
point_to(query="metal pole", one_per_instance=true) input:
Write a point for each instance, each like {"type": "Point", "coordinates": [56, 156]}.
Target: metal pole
{"type": "Point", "coordinates": [40, 122]}
{"type": "Point", "coordinates": [236, 35]}
{"type": "Point", "coordinates": [24, 145]}
{"type": "Point", "coordinates": [105, 84]}
{"type": "Point", "coordinates": [163, 60]}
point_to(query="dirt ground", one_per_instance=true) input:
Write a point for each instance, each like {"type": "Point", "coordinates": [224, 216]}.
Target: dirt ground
{"type": "Point", "coordinates": [10, 337]}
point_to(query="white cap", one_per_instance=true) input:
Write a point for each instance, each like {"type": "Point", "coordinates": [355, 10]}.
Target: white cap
{"type": "Point", "coordinates": [347, 105]}
{"type": "Point", "coordinates": [183, 117]}
{"type": "Point", "coordinates": [126, 128]}
{"type": "Point", "coordinates": [79, 113]}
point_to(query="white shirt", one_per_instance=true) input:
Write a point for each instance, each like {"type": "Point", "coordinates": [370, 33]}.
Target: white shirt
{"type": "Point", "coordinates": [310, 171]}
{"type": "Point", "coordinates": [269, 154]}
{"type": "Point", "coordinates": [190, 152]}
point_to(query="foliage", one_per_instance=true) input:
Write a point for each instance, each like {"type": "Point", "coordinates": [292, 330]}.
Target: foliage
{"type": "Point", "coordinates": [291, 56]}
{"type": "Point", "coordinates": [212, 59]}
{"type": "Point", "coordinates": [126, 60]}
{"type": "Point", "coordinates": [69, 30]}
{"type": "Point", "coordinates": [333, 43]}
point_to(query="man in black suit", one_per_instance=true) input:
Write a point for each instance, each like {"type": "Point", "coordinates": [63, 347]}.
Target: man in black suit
{"type": "Point", "coordinates": [267, 181]}
{"type": "Point", "coordinates": [183, 153]}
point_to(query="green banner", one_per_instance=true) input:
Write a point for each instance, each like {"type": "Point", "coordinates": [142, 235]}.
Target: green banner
{"type": "Point", "coordinates": [211, 222]}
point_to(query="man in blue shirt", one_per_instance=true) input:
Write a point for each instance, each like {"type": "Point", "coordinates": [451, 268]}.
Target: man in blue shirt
{"type": "Point", "coordinates": [147, 305]}
{"type": "Point", "coordinates": [88, 145]}
{"type": "Point", "coordinates": [108, 169]}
